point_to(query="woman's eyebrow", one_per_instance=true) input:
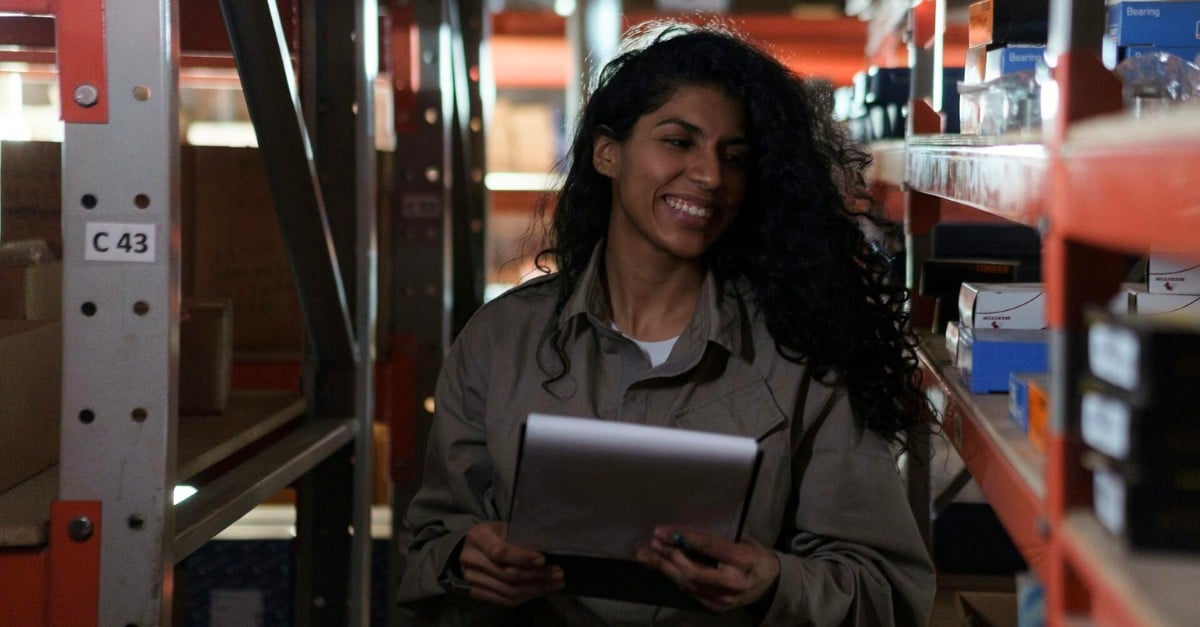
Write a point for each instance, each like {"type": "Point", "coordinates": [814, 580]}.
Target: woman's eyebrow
{"type": "Point", "coordinates": [692, 128]}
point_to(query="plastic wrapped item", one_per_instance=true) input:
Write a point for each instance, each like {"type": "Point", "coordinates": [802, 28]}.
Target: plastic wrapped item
{"type": "Point", "coordinates": [1154, 82]}
{"type": "Point", "coordinates": [1008, 104]}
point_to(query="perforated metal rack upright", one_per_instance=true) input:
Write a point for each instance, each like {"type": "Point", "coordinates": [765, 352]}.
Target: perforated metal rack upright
{"type": "Point", "coordinates": [115, 535]}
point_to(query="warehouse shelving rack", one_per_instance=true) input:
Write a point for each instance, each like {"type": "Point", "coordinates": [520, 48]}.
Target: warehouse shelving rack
{"type": "Point", "coordinates": [96, 540]}
{"type": "Point", "coordinates": [1097, 184]}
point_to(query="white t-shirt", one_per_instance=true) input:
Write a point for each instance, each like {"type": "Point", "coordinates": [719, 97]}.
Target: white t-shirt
{"type": "Point", "coordinates": [656, 352]}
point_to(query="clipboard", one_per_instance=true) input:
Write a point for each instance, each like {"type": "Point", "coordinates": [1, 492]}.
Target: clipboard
{"type": "Point", "coordinates": [588, 493]}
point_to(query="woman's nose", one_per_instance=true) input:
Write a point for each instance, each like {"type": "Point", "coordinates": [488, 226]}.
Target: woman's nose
{"type": "Point", "coordinates": [705, 169]}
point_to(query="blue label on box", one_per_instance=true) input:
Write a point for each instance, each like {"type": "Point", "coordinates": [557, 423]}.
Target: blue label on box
{"type": "Point", "coordinates": [1155, 23]}
{"type": "Point", "coordinates": [1188, 53]}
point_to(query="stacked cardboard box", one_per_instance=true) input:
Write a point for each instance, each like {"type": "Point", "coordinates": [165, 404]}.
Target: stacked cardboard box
{"type": "Point", "coordinates": [30, 398]}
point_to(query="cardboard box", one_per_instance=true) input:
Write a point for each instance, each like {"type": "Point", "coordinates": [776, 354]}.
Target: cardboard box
{"type": "Point", "coordinates": [1002, 305]}
{"type": "Point", "coordinates": [205, 356]}
{"type": "Point", "coordinates": [30, 398]}
{"type": "Point", "coordinates": [1154, 23]}
{"type": "Point", "coordinates": [31, 193]}
{"type": "Point", "coordinates": [31, 292]}
{"type": "Point", "coordinates": [988, 357]}
{"type": "Point", "coordinates": [1143, 303]}
{"type": "Point", "coordinates": [237, 250]}
{"type": "Point", "coordinates": [1172, 275]}
{"type": "Point", "coordinates": [1018, 399]}
{"type": "Point", "coordinates": [1038, 407]}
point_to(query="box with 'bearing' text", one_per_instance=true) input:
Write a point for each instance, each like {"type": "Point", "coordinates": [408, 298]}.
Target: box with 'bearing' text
{"type": "Point", "coordinates": [1154, 23]}
{"type": "Point", "coordinates": [1170, 274]}
{"type": "Point", "coordinates": [1002, 305]}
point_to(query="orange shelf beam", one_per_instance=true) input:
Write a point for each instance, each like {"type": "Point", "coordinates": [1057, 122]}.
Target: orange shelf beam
{"type": "Point", "coordinates": [1007, 468]}
{"type": "Point", "coordinates": [1103, 166]}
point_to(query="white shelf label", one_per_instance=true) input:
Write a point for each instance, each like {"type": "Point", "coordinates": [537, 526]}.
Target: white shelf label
{"type": "Point", "coordinates": [119, 241]}
{"type": "Point", "coordinates": [1105, 423]}
{"type": "Point", "coordinates": [1113, 355]}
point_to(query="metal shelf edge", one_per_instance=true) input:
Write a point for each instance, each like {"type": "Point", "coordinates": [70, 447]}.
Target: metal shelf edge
{"type": "Point", "coordinates": [1006, 180]}
{"type": "Point", "coordinates": [252, 415]}
{"type": "Point", "coordinates": [1126, 587]}
{"type": "Point", "coordinates": [217, 505]}
{"type": "Point", "coordinates": [1002, 463]}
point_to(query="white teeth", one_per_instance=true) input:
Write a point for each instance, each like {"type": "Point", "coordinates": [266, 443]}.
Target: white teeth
{"type": "Point", "coordinates": [688, 208]}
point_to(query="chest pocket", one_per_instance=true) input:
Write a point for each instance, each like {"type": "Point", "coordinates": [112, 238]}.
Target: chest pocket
{"type": "Point", "coordinates": [746, 409]}
{"type": "Point", "coordinates": [749, 409]}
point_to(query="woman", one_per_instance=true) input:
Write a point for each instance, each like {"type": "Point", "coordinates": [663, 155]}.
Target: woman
{"type": "Point", "coordinates": [711, 276]}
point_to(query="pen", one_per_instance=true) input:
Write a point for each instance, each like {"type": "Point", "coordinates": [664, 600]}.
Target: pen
{"type": "Point", "coordinates": [691, 552]}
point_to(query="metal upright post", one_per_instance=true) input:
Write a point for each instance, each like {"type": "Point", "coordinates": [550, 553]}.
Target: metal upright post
{"type": "Point", "coordinates": [121, 203]}
{"type": "Point", "coordinates": [468, 23]}
{"type": "Point", "coordinates": [339, 112]}
{"type": "Point", "coordinates": [422, 238]}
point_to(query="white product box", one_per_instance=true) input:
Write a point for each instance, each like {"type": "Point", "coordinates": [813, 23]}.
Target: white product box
{"type": "Point", "coordinates": [1172, 275]}
{"type": "Point", "coordinates": [1002, 305]}
{"type": "Point", "coordinates": [1145, 303]}
{"type": "Point", "coordinates": [952, 334]}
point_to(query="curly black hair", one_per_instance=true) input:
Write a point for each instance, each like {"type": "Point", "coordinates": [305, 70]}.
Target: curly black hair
{"type": "Point", "coordinates": [797, 240]}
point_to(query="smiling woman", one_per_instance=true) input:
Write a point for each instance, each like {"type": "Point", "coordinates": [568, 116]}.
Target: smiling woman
{"type": "Point", "coordinates": [711, 275]}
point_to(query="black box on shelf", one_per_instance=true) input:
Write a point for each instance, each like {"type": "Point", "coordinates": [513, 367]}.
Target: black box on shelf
{"type": "Point", "coordinates": [1155, 360]}
{"type": "Point", "coordinates": [1152, 443]}
{"type": "Point", "coordinates": [944, 277]}
{"type": "Point", "coordinates": [1147, 515]}
{"type": "Point", "coordinates": [1000, 22]}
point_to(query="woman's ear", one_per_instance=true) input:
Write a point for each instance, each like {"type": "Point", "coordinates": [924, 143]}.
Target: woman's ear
{"type": "Point", "coordinates": [605, 153]}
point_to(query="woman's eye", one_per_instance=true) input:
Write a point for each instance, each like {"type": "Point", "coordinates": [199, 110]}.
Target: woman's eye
{"type": "Point", "coordinates": [737, 158]}
{"type": "Point", "coordinates": [678, 142]}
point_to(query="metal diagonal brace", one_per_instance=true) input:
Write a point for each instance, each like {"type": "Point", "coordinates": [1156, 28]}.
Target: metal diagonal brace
{"type": "Point", "coordinates": [82, 69]}
{"type": "Point", "coordinates": [265, 67]}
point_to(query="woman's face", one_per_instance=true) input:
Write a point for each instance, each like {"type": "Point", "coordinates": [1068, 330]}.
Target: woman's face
{"type": "Point", "coordinates": [680, 177]}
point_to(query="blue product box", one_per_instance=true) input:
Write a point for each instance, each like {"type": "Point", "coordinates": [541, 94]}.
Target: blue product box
{"type": "Point", "coordinates": [1154, 23]}
{"type": "Point", "coordinates": [988, 357]}
{"type": "Point", "coordinates": [1012, 58]}
{"type": "Point", "coordinates": [1187, 54]}
{"type": "Point", "coordinates": [1018, 399]}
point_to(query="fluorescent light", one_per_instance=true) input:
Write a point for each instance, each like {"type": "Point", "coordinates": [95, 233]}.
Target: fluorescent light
{"type": "Point", "coordinates": [522, 181]}
{"type": "Point", "coordinates": [565, 8]}
{"type": "Point", "coordinates": [182, 493]}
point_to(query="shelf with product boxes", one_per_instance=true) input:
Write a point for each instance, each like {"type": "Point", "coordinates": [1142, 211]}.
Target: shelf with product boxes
{"type": "Point", "coordinates": [1100, 188]}
{"type": "Point", "coordinates": [1005, 440]}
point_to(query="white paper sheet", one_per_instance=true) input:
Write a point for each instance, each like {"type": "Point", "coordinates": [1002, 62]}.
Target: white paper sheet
{"type": "Point", "coordinates": [597, 488]}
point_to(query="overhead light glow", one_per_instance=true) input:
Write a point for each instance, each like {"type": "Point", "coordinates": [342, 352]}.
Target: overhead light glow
{"type": "Point", "coordinates": [565, 8]}
{"type": "Point", "coordinates": [182, 493]}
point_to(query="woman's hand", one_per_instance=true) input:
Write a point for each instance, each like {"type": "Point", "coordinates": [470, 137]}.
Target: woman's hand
{"type": "Point", "coordinates": [503, 573]}
{"type": "Point", "coordinates": [745, 571]}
